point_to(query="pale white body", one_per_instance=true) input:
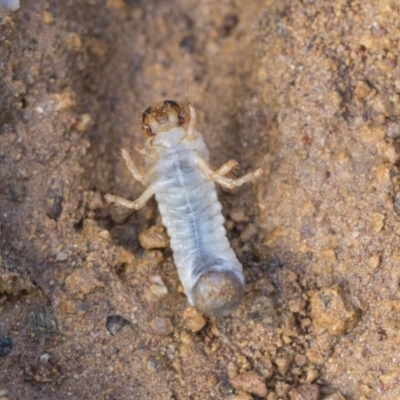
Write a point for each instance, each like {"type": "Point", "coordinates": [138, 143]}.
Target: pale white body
{"type": "Point", "coordinates": [179, 175]}
{"type": "Point", "coordinates": [189, 207]}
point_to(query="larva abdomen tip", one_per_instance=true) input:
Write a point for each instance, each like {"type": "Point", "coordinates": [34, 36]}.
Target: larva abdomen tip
{"type": "Point", "coordinates": [218, 293]}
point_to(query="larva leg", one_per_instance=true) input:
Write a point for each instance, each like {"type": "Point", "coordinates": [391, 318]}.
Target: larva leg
{"type": "Point", "coordinates": [144, 179]}
{"type": "Point", "coordinates": [131, 166]}
{"type": "Point", "coordinates": [232, 183]}
{"type": "Point", "coordinates": [226, 168]}
{"type": "Point", "coordinates": [134, 205]}
{"type": "Point", "coordinates": [218, 177]}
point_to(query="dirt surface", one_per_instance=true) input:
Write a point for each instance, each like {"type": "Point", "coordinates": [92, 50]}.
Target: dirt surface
{"type": "Point", "coordinates": [90, 301]}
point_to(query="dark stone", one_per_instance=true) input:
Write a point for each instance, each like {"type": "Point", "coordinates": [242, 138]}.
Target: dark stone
{"type": "Point", "coordinates": [188, 43]}
{"type": "Point", "coordinates": [6, 346]}
{"type": "Point", "coordinates": [115, 323]}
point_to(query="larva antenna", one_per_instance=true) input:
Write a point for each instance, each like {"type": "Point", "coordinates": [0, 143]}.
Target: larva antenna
{"type": "Point", "coordinates": [187, 91]}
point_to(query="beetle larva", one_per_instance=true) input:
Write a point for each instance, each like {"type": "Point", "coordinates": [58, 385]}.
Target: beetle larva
{"type": "Point", "coordinates": [178, 174]}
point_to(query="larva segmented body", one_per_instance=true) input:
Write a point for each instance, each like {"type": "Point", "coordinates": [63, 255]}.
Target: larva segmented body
{"type": "Point", "coordinates": [183, 183]}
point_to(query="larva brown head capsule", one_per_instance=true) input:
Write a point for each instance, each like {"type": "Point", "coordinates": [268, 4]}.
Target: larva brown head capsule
{"type": "Point", "coordinates": [162, 117]}
{"type": "Point", "coordinates": [218, 293]}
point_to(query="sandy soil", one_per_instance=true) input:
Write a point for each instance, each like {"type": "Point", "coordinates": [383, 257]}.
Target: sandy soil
{"type": "Point", "coordinates": [90, 301]}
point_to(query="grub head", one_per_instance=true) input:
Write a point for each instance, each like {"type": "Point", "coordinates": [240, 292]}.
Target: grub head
{"type": "Point", "coordinates": [162, 117]}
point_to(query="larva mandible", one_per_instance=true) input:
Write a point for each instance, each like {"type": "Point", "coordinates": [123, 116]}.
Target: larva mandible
{"type": "Point", "coordinates": [183, 183]}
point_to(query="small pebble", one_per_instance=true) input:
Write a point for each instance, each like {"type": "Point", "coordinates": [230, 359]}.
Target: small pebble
{"type": "Point", "coordinates": [193, 320]}
{"type": "Point", "coordinates": [377, 221]}
{"type": "Point", "coordinates": [328, 311]}
{"type": "Point", "coordinates": [249, 232]}
{"type": "Point", "coordinates": [115, 323]}
{"type": "Point", "coordinates": [64, 100]}
{"type": "Point", "coordinates": [61, 256]}
{"type": "Point", "coordinates": [225, 388]}
{"type": "Point", "coordinates": [389, 377]}
{"type": "Point", "coordinates": [158, 290]}
{"type": "Point", "coordinates": [283, 363]}
{"type": "Point", "coordinates": [300, 360]}
{"type": "Point", "coordinates": [383, 173]}
{"type": "Point", "coordinates": [48, 17]}
{"type": "Point", "coordinates": [250, 382]}
{"type": "Point", "coordinates": [238, 215]}
{"type": "Point", "coordinates": [154, 238]}
{"type": "Point", "coordinates": [312, 375]}
{"type": "Point", "coordinates": [44, 358]}
{"type": "Point", "coordinates": [389, 151]}
{"type": "Point", "coordinates": [73, 41]}
{"type": "Point", "coordinates": [83, 281]}
{"type": "Point", "coordinates": [374, 261]}
{"type": "Point", "coordinates": [84, 122]}
{"type": "Point", "coordinates": [297, 305]}
{"type": "Point", "coordinates": [158, 287]}
{"type": "Point", "coordinates": [372, 134]}
{"type": "Point", "coordinates": [265, 367]}
{"type": "Point", "coordinates": [393, 130]}
{"type": "Point", "coordinates": [305, 392]}
{"type": "Point", "coordinates": [381, 104]}
{"type": "Point", "coordinates": [162, 326]}
{"type": "Point", "coordinates": [156, 362]}
{"type": "Point", "coordinates": [362, 89]}
{"type": "Point", "coordinates": [68, 306]}
{"type": "Point", "coordinates": [119, 214]}
{"type": "Point", "coordinates": [282, 389]}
